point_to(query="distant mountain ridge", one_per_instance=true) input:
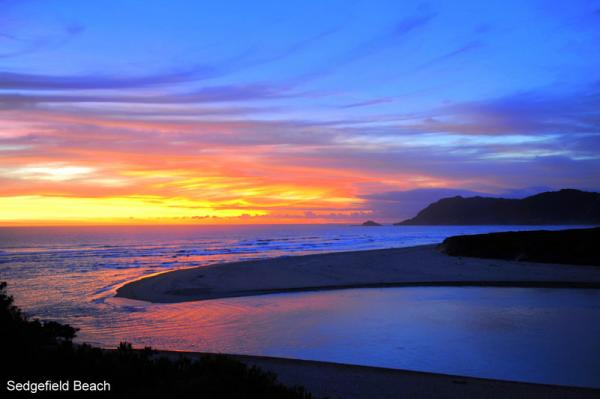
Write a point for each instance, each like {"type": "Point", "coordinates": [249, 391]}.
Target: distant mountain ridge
{"type": "Point", "coordinates": [567, 206]}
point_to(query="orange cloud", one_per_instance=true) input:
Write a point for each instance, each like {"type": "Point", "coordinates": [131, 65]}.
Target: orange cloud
{"type": "Point", "coordinates": [60, 167]}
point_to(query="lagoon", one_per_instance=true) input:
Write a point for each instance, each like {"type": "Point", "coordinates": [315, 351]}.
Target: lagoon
{"type": "Point", "coordinates": [522, 334]}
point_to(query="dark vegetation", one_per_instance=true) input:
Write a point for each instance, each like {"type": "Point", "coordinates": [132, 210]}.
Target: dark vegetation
{"type": "Point", "coordinates": [576, 246]}
{"type": "Point", "coordinates": [557, 207]}
{"type": "Point", "coordinates": [37, 351]}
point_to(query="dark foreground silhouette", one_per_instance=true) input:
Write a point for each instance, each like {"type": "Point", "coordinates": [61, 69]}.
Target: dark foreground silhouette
{"type": "Point", "coordinates": [575, 246]}
{"type": "Point", "coordinates": [568, 207]}
{"type": "Point", "coordinates": [39, 351]}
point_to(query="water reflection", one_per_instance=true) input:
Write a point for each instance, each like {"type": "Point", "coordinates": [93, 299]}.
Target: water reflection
{"type": "Point", "coordinates": [536, 335]}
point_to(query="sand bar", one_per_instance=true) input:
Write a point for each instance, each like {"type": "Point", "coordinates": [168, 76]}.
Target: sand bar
{"type": "Point", "coordinates": [414, 266]}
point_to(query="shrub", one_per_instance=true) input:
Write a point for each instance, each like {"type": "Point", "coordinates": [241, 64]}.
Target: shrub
{"type": "Point", "coordinates": [37, 351]}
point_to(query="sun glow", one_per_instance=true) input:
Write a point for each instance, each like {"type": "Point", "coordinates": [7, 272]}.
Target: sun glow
{"type": "Point", "coordinates": [326, 121]}
{"type": "Point", "coordinates": [140, 209]}
{"type": "Point", "coordinates": [51, 172]}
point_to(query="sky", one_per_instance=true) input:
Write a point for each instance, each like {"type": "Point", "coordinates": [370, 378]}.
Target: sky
{"type": "Point", "coordinates": [290, 112]}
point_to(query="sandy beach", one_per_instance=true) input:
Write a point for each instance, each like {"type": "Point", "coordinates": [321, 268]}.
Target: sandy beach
{"type": "Point", "coordinates": [335, 380]}
{"type": "Point", "coordinates": [421, 265]}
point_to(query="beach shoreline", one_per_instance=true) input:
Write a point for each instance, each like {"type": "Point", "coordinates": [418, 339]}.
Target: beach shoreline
{"type": "Point", "coordinates": [328, 379]}
{"type": "Point", "coordinates": [396, 267]}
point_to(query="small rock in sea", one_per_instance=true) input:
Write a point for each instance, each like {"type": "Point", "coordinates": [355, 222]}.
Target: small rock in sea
{"type": "Point", "coordinates": [371, 223]}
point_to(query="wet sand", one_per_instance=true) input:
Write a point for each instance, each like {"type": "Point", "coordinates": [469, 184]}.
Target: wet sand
{"type": "Point", "coordinates": [334, 380]}
{"type": "Point", "coordinates": [414, 266]}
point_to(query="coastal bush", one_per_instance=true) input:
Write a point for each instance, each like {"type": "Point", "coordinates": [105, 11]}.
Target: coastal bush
{"type": "Point", "coordinates": [37, 351]}
{"type": "Point", "coordinates": [574, 246]}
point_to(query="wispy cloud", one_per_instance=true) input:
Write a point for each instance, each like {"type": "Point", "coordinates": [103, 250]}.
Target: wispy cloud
{"type": "Point", "coordinates": [367, 103]}
{"type": "Point", "coordinates": [464, 49]}
{"type": "Point", "coordinates": [395, 35]}
{"type": "Point", "coordinates": [18, 44]}
{"type": "Point", "coordinates": [210, 94]}
{"type": "Point", "coordinates": [22, 81]}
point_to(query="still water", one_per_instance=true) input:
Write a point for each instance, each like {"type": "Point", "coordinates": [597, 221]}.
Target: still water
{"type": "Point", "coordinates": [525, 334]}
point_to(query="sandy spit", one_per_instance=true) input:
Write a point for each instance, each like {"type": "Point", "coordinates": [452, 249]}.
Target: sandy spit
{"type": "Point", "coordinates": [414, 266]}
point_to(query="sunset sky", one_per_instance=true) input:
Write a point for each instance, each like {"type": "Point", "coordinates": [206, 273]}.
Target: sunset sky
{"type": "Point", "coordinates": [290, 112]}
